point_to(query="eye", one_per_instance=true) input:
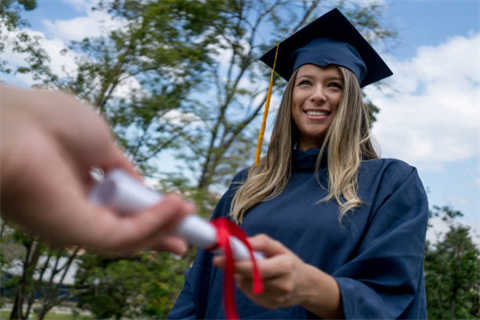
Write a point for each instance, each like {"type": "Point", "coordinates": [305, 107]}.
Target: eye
{"type": "Point", "coordinates": [304, 82]}
{"type": "Point", "coordinates": [335, 84]}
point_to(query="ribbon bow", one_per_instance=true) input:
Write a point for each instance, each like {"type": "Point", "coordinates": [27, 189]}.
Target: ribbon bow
{"type": "Point", "coordinates": [225, 229]}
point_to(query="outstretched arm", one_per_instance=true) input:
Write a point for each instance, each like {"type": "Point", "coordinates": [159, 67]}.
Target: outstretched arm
{"type": "Point", "coordinates": [49, 142]}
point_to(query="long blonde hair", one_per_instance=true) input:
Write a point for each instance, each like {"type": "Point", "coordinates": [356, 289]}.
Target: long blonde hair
{"type": "Point", "coordinates": [348, 140]}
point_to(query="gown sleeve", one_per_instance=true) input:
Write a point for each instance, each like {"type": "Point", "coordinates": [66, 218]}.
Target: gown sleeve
{"type": "Point", "coordinates": [385, 273]}
{"type": "Point", "coordinates": [191, 302]}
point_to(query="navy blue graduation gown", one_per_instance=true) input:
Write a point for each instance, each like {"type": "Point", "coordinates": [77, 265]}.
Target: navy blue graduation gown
{"type": "Point", "coordinates": [375, 254]}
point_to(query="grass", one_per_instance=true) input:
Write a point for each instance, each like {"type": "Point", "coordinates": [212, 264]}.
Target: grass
{"type": "Point", "coordinates": [50, 316]}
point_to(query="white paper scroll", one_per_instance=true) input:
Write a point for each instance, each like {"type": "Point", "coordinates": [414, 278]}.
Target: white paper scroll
{"type": "Point", "coordinates": [128, 196]}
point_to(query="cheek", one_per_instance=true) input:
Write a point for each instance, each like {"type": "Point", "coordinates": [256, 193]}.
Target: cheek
{"type": "Point", "coordinates": [296, 106]}
{"type": "Point", "coordinates": [295, 100]}
{"type": "Point", "coordinates": [336, 102]}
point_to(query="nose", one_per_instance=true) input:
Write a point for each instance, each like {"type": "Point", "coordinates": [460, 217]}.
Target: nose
{"type": "Point", "coordinates": [318, 94]}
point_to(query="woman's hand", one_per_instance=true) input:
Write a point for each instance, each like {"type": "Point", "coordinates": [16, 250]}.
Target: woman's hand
{"type": "Point", "coordinates": [282, 274]}
{"type": "Point", "coordinates": [287, 280]}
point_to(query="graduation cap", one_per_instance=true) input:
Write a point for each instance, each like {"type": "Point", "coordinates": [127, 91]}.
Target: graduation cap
{"type": "Point", "coordinates": [329, 40]}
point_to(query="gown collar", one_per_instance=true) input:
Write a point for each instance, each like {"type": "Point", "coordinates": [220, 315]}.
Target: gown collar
{"type": "Point", "coordinates": [305, 160]}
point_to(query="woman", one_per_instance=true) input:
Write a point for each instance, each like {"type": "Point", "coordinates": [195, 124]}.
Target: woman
{"type": "Point", "coordinates": [342, 230]}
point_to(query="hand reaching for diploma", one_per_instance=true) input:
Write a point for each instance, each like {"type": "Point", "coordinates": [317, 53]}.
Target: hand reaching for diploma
{"type": "Point", "coordinates": [287, 280]}
{"type": "Point", "coordinates": [49, 144]}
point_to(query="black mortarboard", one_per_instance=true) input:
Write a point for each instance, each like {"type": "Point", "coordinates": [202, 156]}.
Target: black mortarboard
{"type": "Point", "coordinates": [331, 39]}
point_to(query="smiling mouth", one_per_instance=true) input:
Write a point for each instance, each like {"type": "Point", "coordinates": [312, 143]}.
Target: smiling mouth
{"type": "Point", "coordinates": [317, 113]}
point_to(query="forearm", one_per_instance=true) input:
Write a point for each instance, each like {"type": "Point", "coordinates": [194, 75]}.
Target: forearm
{"type": "Point", "coordinates": [321, 294]}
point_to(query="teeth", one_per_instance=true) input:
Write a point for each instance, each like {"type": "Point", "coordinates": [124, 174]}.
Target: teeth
{"type": "Point", "coordinates": [316, 113]}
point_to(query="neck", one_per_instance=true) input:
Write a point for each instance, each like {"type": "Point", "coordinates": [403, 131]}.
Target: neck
{"type": "Point", "coordinates": [305, 145]}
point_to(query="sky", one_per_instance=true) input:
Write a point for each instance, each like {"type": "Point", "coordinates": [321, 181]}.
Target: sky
{"type": "Point", "coordinates": [431, 117]}
{"type": "Point", "coordinates": [430, 114]}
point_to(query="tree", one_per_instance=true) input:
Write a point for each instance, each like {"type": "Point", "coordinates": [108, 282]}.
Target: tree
{"type": "Point", "coordinates": [48, 285]}
{"type": "Point", "coordinates": [10, 251]}
{"type": "Point", "coordinates": [40, 279]}
{"type": "Point", "coordinates": [452, 271]}
{"type": "Point", "coordinates": [157, 57]}
{"type": "Point", "coordinates": [15, 40]}
{"type": "Point", "coordinates": [143, 285]}
{"type": "Point", "coordinates": [11, 10]}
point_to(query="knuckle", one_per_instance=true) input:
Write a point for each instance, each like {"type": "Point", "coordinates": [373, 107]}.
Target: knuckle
{"type": "Point", "coordinates": [172, 201]}
{"type": "Point", "coordinates": [285, 287]}
{"type": "Point", "coordinates": [289, 265]}
{"type": "Point", "coordinates": [262, 238]}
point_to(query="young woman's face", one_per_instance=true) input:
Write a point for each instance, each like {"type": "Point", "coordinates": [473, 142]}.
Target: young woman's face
{"type": "Point", "coordinates": [317, 92]}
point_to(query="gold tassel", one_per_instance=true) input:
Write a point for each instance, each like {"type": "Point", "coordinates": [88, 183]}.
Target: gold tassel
{"type": "Point", "coordinates": [265, 111]}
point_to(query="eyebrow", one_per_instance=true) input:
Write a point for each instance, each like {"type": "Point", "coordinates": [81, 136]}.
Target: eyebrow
{"type": "Point", "coordinates": [329, 78]}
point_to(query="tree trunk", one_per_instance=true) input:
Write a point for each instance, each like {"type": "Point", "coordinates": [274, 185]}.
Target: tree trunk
{"type": "Point", "coordinates": [42, 313]}
{"type": "Point", "coordinates": [29, 265]}
{"type": "Point", "coordinates": [2, 230]}
{"type": "Point", "coordinates": [17, 312]}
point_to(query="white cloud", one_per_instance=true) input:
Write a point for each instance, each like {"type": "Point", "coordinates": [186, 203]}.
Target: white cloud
{"type": "Point", "coordinates": [430, 115]}
{"type": "Point", "coordinates": [437, 231]}
{"type": "Point", "coordinates": [93, 23]}
{"type": "Point", "coordinates": [178, 117]}
{"type": "Point", "coordinates": [127, 86]}
{"type": "Point", "coordinates": [440, 228]}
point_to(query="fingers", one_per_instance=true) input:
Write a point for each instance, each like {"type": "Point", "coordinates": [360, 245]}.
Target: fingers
{"type": "Point", "coordinates": [278, 266]}
{"type": "Point", "coordinates": [168, 243]}
{"type": "Point", "coordinates": [88, 139]}
{"type": "Point", "coordinates": [155, 222]}
{"type": "Point", "coordinates": [269, 268]}
{"type": "Point", "coordinates": [276, 286]}
{"type": "Point", "coordinates": [116, 159]}
{"type": "Point", "coordinates": [267, 245]}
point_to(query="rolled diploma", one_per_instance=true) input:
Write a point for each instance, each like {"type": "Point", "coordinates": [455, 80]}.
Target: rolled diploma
{"type": "Point", "coordinates": [126, 195]}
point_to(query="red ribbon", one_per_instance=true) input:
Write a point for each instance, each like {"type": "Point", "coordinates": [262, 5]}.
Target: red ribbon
{"type": "Point", "coordinates": [225, 229]}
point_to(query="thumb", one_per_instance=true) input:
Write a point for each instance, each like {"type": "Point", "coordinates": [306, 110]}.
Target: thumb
{"type": "Point", "coordinates": [116, 159]}
{"type": "Point", "coordinates": [161, 219]}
